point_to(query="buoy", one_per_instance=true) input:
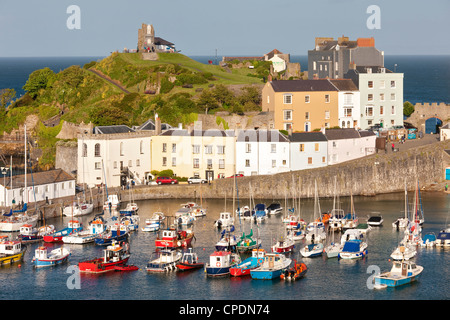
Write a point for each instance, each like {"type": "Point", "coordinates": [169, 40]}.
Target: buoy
{"type": "Point", "coordinates": [19, 265]}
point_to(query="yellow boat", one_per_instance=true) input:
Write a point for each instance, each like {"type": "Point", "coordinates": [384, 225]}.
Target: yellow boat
{"type": "Point", "coordinates": [11, 252]}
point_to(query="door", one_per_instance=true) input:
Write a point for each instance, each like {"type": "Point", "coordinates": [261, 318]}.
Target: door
{"type": "Point", "coordinates": [209, 174]}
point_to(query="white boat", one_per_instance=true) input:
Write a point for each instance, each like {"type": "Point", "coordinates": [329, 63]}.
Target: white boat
{"type": "Point", "coordinates": [131, 209]}
{"type": "Point", "coordinates": [28, 233]}
{"type": "Point", "coordinates": [196, 210]}
{"type": "Point", "coordinates": [13, 223]}
{"type": "Point", "coordinates": [96, 227]}
{"type": "Point", "coordinates": [225, 219]}
{"type": "Point", "coordinates": [42, 258]}
{"type": "Point", "coordinates": [112, 202]}
{"type": "Point", "coordinates": [156, 217]}
{"type": "Point", "coordinates": [274, 208]}
{"type": "Point", "coordinates": [353, 249]}
{"type": "Point", "coordinates": [429, 240]}
{"type": "Point", "coordinates": [404, 252]}
{"type": "Point", "coordinates": [351, 234]}
{"type": "Point", "coordinates": [376, 220]}
{"type": "Point", "coordinates": [403, 222]}
{"type": "Point", "coordinates": [332, 250]}
{"type": "Point", "coordinates": [284, 244]}
{"type": "Point", "coordinates": [131, 221]}
{"type": "Point", "coordinates": [245, 213]}
{"type": "Point", "coordinates": [272, 267]}
{"type": "Point", "coordinates": [78, 209]}
{"type": "Point", "coordinates": [227, 241]}
{"type": "Point", "coordinates": [350, 220]}
{"type": "Point", "coordinates": [443, 238]}
{"type": "Point", "coordinates": [402, 272]}
{"type": "Point", "coordinates": [312, 250]}
{"type": "Point", "coordinates": [164, 261]}
{"type": "Point", "coordinates": [315, 231]}
{"type": "Point", "coordinates": [151, 226]}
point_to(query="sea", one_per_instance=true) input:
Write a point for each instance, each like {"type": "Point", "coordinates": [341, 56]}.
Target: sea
{"type": "Point", "coordinates": [426, 78]}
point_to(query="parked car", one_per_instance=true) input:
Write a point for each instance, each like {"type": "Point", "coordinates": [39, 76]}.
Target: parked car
{"type": "Point", "coordinates": [237, 175]}
{"type": "Point", "coordinates": [166, 180]}
{"type": "Point", "coordinates": [196, 180]}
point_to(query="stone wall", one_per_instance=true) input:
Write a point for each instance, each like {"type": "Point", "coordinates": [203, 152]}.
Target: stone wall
{"type": "Point", "coordinates": [424, 111]}
{"type": "Point", "coordinates": [66, 156]}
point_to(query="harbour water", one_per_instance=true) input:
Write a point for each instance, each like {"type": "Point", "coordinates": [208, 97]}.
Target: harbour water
{"type": "Point", "coordinates": [326, 279]}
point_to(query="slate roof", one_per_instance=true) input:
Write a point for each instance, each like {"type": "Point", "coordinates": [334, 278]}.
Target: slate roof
{"type": "Point", "coordinates": [112, 129]}
{"type": "Point", "coordinates": [200, 133]}
{"type": "Point", "coordinates": [344, 84]}
{"type": "Point", "coordinates": [307, 137]}
{"type": "Point", "coordinates": [161, 42]}
{"type": "Point", "coordinates": [261, 136]}
{"type": "Point", "coordinates": [302, 85]}
{"type": "Point", "coordinates": [375, 69]}
{"type": "Point", "coordinates": [38, 178]}
{"type": "Point", "coordinates": [150, 125]}
{"type": "Point", "coordinates": [344, 133]}
{"type": "Point", "coordinates": [366, 133]}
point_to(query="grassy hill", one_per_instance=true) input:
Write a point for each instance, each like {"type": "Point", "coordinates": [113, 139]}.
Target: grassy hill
{"type": "Point", "coordinates": [124, 89]}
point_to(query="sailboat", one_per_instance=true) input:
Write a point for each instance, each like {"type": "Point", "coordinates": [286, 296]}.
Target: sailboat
{"type": "Point", "coordinates": [132, 207]}
{"type": "Point", "coordinates": [350, 220]}
{"type": "Point", "coordinates": [316, 230]}
{"type": "Point", "coordinates": [403, 222]}
{"type": "Point", "coordinates": [247, 242]}
{"type": "Point", "coordinates": [12, 222]}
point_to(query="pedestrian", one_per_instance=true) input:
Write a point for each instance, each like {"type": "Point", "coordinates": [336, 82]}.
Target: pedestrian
{"type": "Point", "coordinates": [393, 147]}
{"type": "Point", "coordinates": [446, 186]}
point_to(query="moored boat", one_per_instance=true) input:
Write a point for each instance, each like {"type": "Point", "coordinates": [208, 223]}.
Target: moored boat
{"type": "Point", "coordinates": [375, 220]}
{"type": "Point", "coordinates": [244, 268]}
{"type": "Point", "coordinates": [296, 272]}
{"type": "Point", "coordinates": [151, 226]}
{"type": "Point", "coordinates": [28, 233]}
{"type": "Point", "coordinates": [115, 255]}
{"type": "Point", "coordinates": [274, 208]}
{"type": "Point", "coordinates": [225, 219]}
{"type": "Point", "coordinates": [353, 249]}
{"type": "Point", "coordinates": [401, 273]}
{"type": "Point", "coordinates": [42, 258]}
{"type": "Point", "coordinates": [164, 260]}
{"type": "Point", "coordinates": [117, 232]}
{"type": "Point", "coordinates": [312, 250]}
{"type": "Point", "coordinates": [173, 238]}
{"type": "Point", "coordinates": [72, 226]}
{"type": "Point", "coordinates": [272, 267]}
{"type": "Point", "coordinates": [284, 244]}
{"type": "Point", "coordinates": [443, 238]}
{"type": "Point", "coordinates": [220, 263]}
{"type": "Point", "coordinates": [11, 251]}
{"type": "Point", "coordinates": [189, 261]}
{"type": "Point", "coordinates": [96, 227]}
{"type": "Point", "coordinates": [78, 209]}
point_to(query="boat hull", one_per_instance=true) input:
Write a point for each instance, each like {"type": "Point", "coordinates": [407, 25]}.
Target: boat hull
{"type": "Point", "coordinates": [395, 282]}
{"type": "Point", "coordinates": [266, 274]}
{"type": "Point", "coordinates": [182, 266]}
{"type": "Point", "coordinates": [353, 255]}
{"type": "Point", "coordinates": [12, 258]}
{"type": "Point", "coordinates": [98, 266]}
{"type": "Point", "coordinates": [217, 271]}
{"type": "Point", "coordinates": [39, 263]}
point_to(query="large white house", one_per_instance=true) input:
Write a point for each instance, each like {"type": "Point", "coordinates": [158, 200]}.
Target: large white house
{"type": "Point", "coordinates": [113, 156]}
{"type": "Point", "coordinates": [261, 152]}
{"type": "Point", "coordinates": [308, 150]}
{"type": "Point", "coordinates": [40, 186]}
{"type": "Point", "coordinates": [348, 144]}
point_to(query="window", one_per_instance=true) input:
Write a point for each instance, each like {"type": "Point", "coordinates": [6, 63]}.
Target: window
{"type": "Point", "coordinates": [174, 162]}
{"type": "Point", "coordinates": [141, 147]}
{"type": "Point", "coordinates": [268, 99]}
{"type": "Point", "coordinates": [220, 149]}
{"type": "Point", "coordinates": [336, 66]}
{"type": "Point", "coordinates": [208, 149]}
{"type": "Point", "coordinates": [316, 147]}
{"type": "Point", "coordinates": [247, 162]}
{"type": "Point", "coordinates": [369, 122]}
{"type": "Point", "coordinates": [381, 96]}
{"type": "Point", "coordinates": [164, 147]}
{"type": "Point", "coordinates": [84, 150]}
{"type": "Point", "coordinates": [284, 162]}
{"type": "Point", "coordinates": [164, 161]}
{"type": "Point", "coordinates": [307, 126]}
{"type": "Point", "coordinates": [369, 111]}
{"type": "Point", "coordinates": [209, 163]}
{"type": "Point", "coordinates": [138, 163]}
{"type": "Point", "coordinates": [393, 110]}
{"type": "Point", "coordinates": [323, 159]}
{"type": "Point", "coordinates": [306, 115]}
{"type": "Point", "coordinates": [287, 114]}
{"type": "Point", "coordinates": [302, 147]}
{"type": "Point", "coordinates": [174, 147]}
{"type": "Point", "coordinates": [287, 126]}
{"type": "Point", "coordinates": [309, 160]}
{"type": "Point", "coordinates": [248, 148]}
{"type": "Point", "coordinates": [348, 99]}
{"type": "Point", "coordinates": [370, 84]}
{"type": "Point", "coordinates": [287, 99]}
{"type": "Point", "coordinates": [307, 99]}
{"type": "Point", "coordinates": [370, 97]}
{"type": "Point", "coordinates": [314, 65]}
{"type": "Point", "coordinates": [327, 114]}
{"type": "Point", "coordinates": [196, 163]}
{"type": "Point", "coordinates": [392, 122]}
{"type": "Point", "coordinates": [195, 149]}
{"type": "Point", "coordinates": [392, 96]}
{"type": "Point", "coordinates": [382, 84]}
{"type": "Point", "coordinates": [327, 124]}
{"type": "Point", "coordinates": [393, 84]}
{"type": "Point", "coordinates": [97, 150]}
{"type": "Point", "coordinates": [273, 148]}
{"type": "Point", "coordinates": [221, 163]}
{"type": "Point", "coordinates": [274, 163]}
{"type": "Point", "coordinates": [115, 164]}
{"type": "Point", "coordinates": [381, 110]}
{"type": "Point", "coordinates": [130, 163]}
{"type": "Point", "coordinates": [327, 98]}
{"type": "Point", "coordinates": [334, 144]}
{"type": "Point", "coordinates": [348, 112]}
{"type": "Point", "coordinates": [98, 166]}
{"type": "Point", "coordinates": [121, 148]}
{"type": "Point", "coordinates": [343, 124]}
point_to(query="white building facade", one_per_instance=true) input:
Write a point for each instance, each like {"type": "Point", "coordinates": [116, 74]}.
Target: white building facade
{"type": "Point", "coordinates": [308, 150]}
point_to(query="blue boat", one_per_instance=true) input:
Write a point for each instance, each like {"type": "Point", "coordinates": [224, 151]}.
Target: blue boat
{"type": "Point", "coordinates": [273, 266]}
{"type": "Point", "coordinates": [244, 268]}
{"type": "Point", "coordinates": [353, 249]}
{"type": "Point", "coordinates": [72, 227]}
{"type": "Point", "coordinates": [117, 232]}
{"type": "Point", "coordinates": [44, 259]}
{"type": "Point", "coordinates": [260, 212]}
{"type": "Point", "coordinates": [402, 272]}
{"type": "Point", "coordinates": [220, 263]}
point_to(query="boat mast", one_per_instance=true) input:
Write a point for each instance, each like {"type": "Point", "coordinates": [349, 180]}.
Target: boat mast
{"type": "Point", "coordinates": [26, 191]}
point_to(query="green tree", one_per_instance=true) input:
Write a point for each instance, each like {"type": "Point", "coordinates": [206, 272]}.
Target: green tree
{"type": "Point", "coordinates": [207, 101]}
{"type": "Point", "coordinates": [6, 96]}
{"type": "Point", "coordinates": [39, 79]}
{"type": "Point", "coordinates": [108, 116]}
{"type": "Point", "coordinates": [408, 108]}
{"type": "Point", "coordinates": [222, 95]}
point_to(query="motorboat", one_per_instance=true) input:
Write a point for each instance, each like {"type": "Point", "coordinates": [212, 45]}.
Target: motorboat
{"type": "Point", "coordinates": [43, 258]}
{"type": "Point", "coordinates": [164, 260]}
{"type": "Point", "coordinates": [401, 273]}
{"type": "Point", "coordinates": [272, 267]}
{"type": "Point", "coordinates": [312, 250]}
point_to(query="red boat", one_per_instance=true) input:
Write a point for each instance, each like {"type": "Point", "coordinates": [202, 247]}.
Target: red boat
{"type": "Point", "coordinates": [253, 262]}
{"type": "Point", "coordinates": [72, 227]}
{"type": "Point", "coordinates": [114, 256]}
{"type": "Point", "coordinates": [189, 261]}
{"type": "Point", "coordinates": [172, 238]}
{"type": "Point", "coordinates": [126, 268]}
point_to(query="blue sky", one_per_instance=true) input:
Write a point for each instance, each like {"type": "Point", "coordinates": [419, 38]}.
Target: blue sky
{"type": "Point", "coordinates": [199, 27]}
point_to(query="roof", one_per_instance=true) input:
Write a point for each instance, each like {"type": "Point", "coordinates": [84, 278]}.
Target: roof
{"type": "Point", "coordinates": [38, 178]}
{"type": "Point", "coordinates": [375, 69]}
{"type": "Point", "coordinates": [344, 133]}
{"type": "Point", "coordinates": [302, 85]}
{"type": "Point", "coordinates": [112, 129]}
{"type": "Point", "coordinates": [307, 136]}
{"type": "Point", "coordinates": [261, 136]}
{"type": "Point", "coordinates": [200, 133]}
{"type": "Point", "coordinates": [366, 133]}
{"type": "Point", "coordinates": [344, 84]}
{"type": "Point", "coordinates": [272, 53]}
{"type": "Point", "coordinates": [150, 125]}
{"type": "Point", "coordinates": [161, 42]}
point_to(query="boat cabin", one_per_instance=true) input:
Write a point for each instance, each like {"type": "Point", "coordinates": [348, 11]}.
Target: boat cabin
{"type": "Point", "coordinates": [225, 216]}
{"type": "Point", "coordinates": [270, 259]}
{"type": "Point", "coordinates": [404, 269]}
{"type": "Point", "coordinates": [97, 226]}
{"type": "Point", "coordinates": [10, 248]}
{"type": "Point", "coordinates": [113, 253]}
{"type": "Point", "coordinates": [27, 230]}
{"type": "Point", "coordinates": [169, 234]}
{"type": "Point", "coordinates": [41, 253]}
{"type": "Point", "coordinates": [220, 259]}
{"type": "Point", "coordinates": [190, 257]}
{"type": "Point", "coordinates": [118, 228]}
{"type": "Point", "coordinates": [74, 224]}
{"type": "Point", "coordinates": [167, 256]}
{"type": "Point", "coordinates": [258, 253]}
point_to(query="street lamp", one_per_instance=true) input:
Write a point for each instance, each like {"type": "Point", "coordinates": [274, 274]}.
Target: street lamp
{"type": "Point", "coordinates": [4, 172]}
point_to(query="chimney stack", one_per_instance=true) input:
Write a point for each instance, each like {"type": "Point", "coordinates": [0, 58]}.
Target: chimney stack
{"type": "Point", "coordinates": [157, 125]}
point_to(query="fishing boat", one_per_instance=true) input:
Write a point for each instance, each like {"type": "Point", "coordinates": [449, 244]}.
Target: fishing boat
{"type": "Point", "coordinates": [312, 250]}
{"type": "Point", "coordinates": [151, 226]}
{"type": "Point", "coordinates": [428, 240]}
{"type": "Point", "coordinates": [185, 219]}
{"type": "Point", "coordinates": [296, 272]}
{"type": "Point", "coordinates": [116, 232]}
{"type": "Point", "coordinates": [404, 251]}
{"type": "Point", "coordinates": [156, 217]}
{"type": "Point", "coordinates": [11, 251]}
{"type": "Point", "coordinates": [220, 263]}
{"type": "Point", "coordinates": [131, 209]}
{"type": "Point", "coordinates": [252, 262]}
{"type": "Point", "coordinates": [42, 258]}
{"type": "Point", "coordinates": [376, 220]}
{"type": "Point", "coordinates": [115, 255]}
{"type": "Point", "coordinates": [112, 202]}
{"type": "Point", "coordinates": [172, 238]}
{"type": "Point", "coordinates": [272, 267]}
{"type": "Point", "coordinates": [189, 261]}
{"type": "Point", "coordinates": [247, 242]}
{"type": "Point", "coordinates": [353, 249]}
{"type": "Point", "coordinates": [225, 219]}
{"type": "Point", "coordinates": [96, 227]}
{"type": "Point", "coordinates": [196, 210]}
{"type": "Point", "coordinates": [402, 272]}
{"type": "Point", "coordinates": [284, 244]}
{"type": "Point", "coordinates": [12, 221]}
{"type": "Point", "coordinates": [29, 234]}
{"type": "Point", "coordinates": [72, 226]}
{"type": "Point", "coordinates": [274, 208]}
{"type": "Point", "coordinates": [227, 240]}
{"type": "Point", "coordinates": [164, 260]}
{"type": "Point", "coordinates": [443, 238]}
{"type": "Point", "coordinates": [78, 209]}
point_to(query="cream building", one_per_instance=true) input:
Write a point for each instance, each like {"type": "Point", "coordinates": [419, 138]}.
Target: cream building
{"type": "Point", "coordinates": [208, 154]}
